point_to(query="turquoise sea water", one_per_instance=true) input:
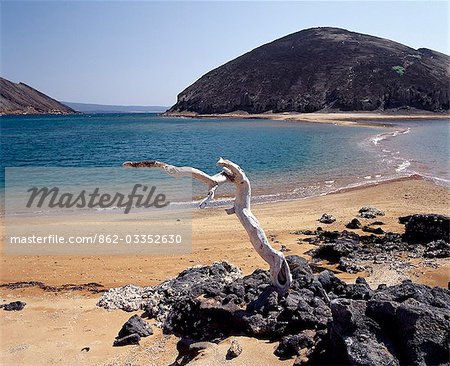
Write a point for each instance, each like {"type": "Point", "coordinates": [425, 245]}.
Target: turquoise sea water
{"type": "Point", "coordinates": [284, 160]}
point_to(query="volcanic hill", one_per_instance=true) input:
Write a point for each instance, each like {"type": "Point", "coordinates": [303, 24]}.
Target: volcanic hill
{"type": "Point", "coordinates": [323, 69]}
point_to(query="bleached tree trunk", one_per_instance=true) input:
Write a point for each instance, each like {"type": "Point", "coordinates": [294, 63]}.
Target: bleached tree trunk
{"type": "Point", "coordinates": [279, 270]}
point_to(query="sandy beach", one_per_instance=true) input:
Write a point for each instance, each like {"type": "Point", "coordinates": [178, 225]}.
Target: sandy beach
{"type": "Point", "coordinates": [339, 118]}
{"type": "Point", "coordinates": [71, 321]}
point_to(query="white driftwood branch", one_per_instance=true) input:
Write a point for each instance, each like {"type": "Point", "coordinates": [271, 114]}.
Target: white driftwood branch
{"type": "Point", "coordinates": [279, 270]}
{"type": "Point", "coordinates": [185, 171]}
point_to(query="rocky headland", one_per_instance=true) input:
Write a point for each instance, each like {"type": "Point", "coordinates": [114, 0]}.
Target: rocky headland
{"type": "Point", "coordinates": [19, 98]}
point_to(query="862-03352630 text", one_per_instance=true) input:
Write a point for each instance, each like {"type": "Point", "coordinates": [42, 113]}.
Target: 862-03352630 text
{"type": "Point", "coordinates": [153, 239]}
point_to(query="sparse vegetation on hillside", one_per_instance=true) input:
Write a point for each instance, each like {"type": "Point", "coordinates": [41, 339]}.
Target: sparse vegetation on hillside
{"type": "Point", "coordinates": [399, 69]}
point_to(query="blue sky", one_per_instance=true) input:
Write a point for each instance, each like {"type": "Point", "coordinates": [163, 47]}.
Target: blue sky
{"type": "Point", "coordinates": [147, 52]}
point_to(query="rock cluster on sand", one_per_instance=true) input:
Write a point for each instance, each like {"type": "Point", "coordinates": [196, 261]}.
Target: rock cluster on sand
{"type": "Point", "coordinates": [322, 318]}
{"type": "Point", "coordinates": [370, 212]}
{"type": "Point", "coordinates": [352, 250]}
{"type": "Point", "coordinates": [158, 300]}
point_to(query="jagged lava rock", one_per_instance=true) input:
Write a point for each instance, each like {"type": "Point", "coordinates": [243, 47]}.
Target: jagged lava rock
{"type": "Point", "coordinates": [437, 249]}
{"type": "Point", "coordinates": [426, 228]}
{"type": "Point", "coordinates": [158, 300]}
{"type": "Point", "coordinates": [251, 305]}
{"type": "Point", "coordinates": [354, 337]}
{"type": "Point", "coordinates": [292, 344]}
{"type": "Point", "coordinates": [321, 317]}
{"type": "Point", "coordinates": [406, 324]}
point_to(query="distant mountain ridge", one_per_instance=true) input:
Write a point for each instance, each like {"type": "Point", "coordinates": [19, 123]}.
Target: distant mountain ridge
{"type": "Point", "coordinates": [105, 108]}
{"type": "Point", "coordinates": [19, 98]}
{"type": "Point", "coordinates": [323, 69]}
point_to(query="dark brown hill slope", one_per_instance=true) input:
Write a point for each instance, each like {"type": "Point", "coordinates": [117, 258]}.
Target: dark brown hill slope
{"type": "Point", "coordinates": [323, 69]}
{"type": "Point", "coordinates": [21, 98]}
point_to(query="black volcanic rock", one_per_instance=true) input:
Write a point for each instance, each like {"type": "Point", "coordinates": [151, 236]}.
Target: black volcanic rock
{"type": "Point", "coordinates": [327, 219]}
{"type": "Point", "coordinates": [13, 306]}
{"type": "Point", "coordinates": [368, 229]}
{"type": "Point", "coordinates": [234, 351]}
{"type": "Point", "coordinates": [437, 249]}
{"type": "Point", "coordinates": [127, 340]}
{"type": "Point", "coordinates": [135, 325]}
{"type": "Point", "coordinates": [132, 331]}
{"type": "Point", "coordinates": [426, 228]}
{"type": "Point", "coordinates": [426, 236]}
{"type": "Point", "coordinates": [368, 212]}
{"type": "Point", "coordinates": [23, 99]}
{"type": "Point", "coordinates": [354, 224]}
{"type": "Point", "coordinates": [323, 68]}
{"type": "Point", "coordinates": [321, 318]}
